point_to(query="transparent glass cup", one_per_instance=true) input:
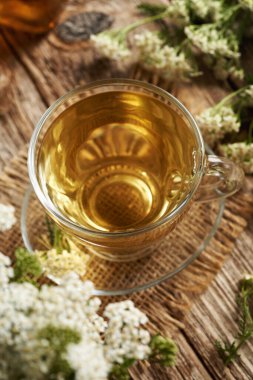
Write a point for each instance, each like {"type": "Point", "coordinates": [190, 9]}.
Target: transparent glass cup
{"type": "Point", "coordinates": [132, 127]}
{"type": "Point", "coordinates": [32, 16]}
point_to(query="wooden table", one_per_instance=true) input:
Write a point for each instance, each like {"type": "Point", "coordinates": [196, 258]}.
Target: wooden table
{"type": "Point", "coordinates": [43, 68]}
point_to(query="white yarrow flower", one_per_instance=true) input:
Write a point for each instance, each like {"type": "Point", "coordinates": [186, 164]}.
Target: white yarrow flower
{"type": "Point", "coordinates": [248, 276]}
{"type": "Point", "coordinates": [148, 42]}
{"type": "Point", "coordinates": [88, 360]}
{"type": "Point", "coordinates": [4, 260]}
{"type": "Point", "coordinates": [124, 337]}
{"type": "Point", "coordinates": [167, 61]}
{"type": "Point", "coordinates": [215, 123]}
{"type": "Point", "coordinates": [111, 45]}
{"type": "Point", "coordinates": [6, 272]}
{"type": "Point", "coordinates": [247, 4]}
{"type": "Point", "coordinates": [27, 312]}
{"type": "Point", "coordinates": [249, 92]}
{"type": "Point", "coordinates": [241, 153]}
{"type": "Point", "coordinates": [212, 41]}
{"type": "Point", "coordinates": [224, 67]}
{"type": "Point", "coordinates": [200, 8]}
{"type": "Point", "coordinates": [7, 217]}
{"type": "Point", "coordinates": [58, 264]}
{"type": "Point", "coordinates": [178, 12]}
{"type": "Point", "coordinates": [207, 8]}
{"type": "Point", "coordinates": [246, 96]}
{"type": "Point", "coordinates": [234, 71]}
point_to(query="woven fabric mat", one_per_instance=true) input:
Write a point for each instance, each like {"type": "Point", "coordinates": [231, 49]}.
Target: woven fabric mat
{"type": "Point", "coordinates": [166, 304]}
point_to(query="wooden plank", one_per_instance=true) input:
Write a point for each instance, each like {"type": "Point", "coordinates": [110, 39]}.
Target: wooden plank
{"type": "Point", "coordinates": [200, 94]}
{"type": "Point", "coordinates": [188, 366]}
{"type": "Point", "coordinates": [53, 69]}
{"type": "Point", "coordinates": [22, 106]}
{"type": "Point", "coordinates": [214, 314]}
{"type": "Point", "coordinates": [57, 67]}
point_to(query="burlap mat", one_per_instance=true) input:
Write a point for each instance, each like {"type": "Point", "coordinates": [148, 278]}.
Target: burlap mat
{"type": "Point", "coordinates": [166, 304]}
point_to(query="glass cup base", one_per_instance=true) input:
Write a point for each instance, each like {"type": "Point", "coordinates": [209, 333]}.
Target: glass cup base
{"type": "Point", "coordinates": [178, 250]}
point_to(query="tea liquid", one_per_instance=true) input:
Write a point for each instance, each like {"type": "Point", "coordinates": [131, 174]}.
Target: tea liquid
{"type": "Point", "coordinates": [117, 161]}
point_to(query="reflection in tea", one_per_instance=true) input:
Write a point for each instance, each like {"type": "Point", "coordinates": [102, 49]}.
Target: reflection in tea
{"type": "Point", "coordinates": [117, 161]}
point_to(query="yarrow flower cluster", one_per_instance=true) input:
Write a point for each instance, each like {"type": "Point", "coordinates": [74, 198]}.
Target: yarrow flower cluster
{"type": "Point", "coordinates": [56, 331]}
{"type": "Point", "coordinates": [7, 217]}
{"type": "Point", "coordinates": [224, 68]}
{"type": "Point", "coordinates": [124, 337]}
{"type": "Point", "coordinates": [248, 277]}
{"type": "Point", "coordinates": [231, 115]}
{"type": "Point", "coordinates": [215, 123]}
{"type": "Point", "coordinates": [241, 153]}
{"type": "Point", "coordinates": [213, 41]}
{"type": "Point", "coordinates": [59, 263]}
{"type": "Point", "coordinates": [207, 8]}
{"type": "Point", "coordinates": [178, 12]}
{"type": "Point", "coordinates": [247, 4]}
{"type": "Point", "coordinates": [88, 361]}
{"type": "Point", "coordinates": [220, 48]}
{"type": "Point", "coordinates": [61, 254]}
{"type": "Point", "coordinates": [168, 61]}
{"type": "Point", "coordinates": [6, 272]}
{"type": "Point", "coordinates": [111, 45]}
{"type": "Point", "coordinates": [246, 96]}
{"type": "Point", "coordinates": [27, 310]}
{"type": "Point", "coordinates": [211, 29]}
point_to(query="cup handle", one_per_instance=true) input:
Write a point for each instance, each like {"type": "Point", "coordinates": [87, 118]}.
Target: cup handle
{"type": "Point", "coordinates": [221, 179]}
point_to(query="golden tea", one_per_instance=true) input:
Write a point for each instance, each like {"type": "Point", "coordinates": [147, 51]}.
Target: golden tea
{"type": "Point", "coordinates": [117, 161]}
{"type": "Point", "coordinates": [33, 16]}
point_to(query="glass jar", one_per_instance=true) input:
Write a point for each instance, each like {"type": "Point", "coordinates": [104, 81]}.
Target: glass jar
{"type": "Point", "coordinates": [34, 16]}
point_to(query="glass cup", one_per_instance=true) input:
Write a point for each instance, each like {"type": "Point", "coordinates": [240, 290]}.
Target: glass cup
{"type": "Point", "coordinates": [117, 164]}
{"type": "Point", "coordinates": [34, 16]}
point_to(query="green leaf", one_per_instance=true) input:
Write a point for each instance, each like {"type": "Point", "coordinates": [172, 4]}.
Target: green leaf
{"type": "Point", "coordinates": [27, 267]}
{"type": "Point", "coordinates": [50, 230]}
{"type": "Point", "coordinates": [120, 371]}
{"type": "Point", "coordinates": [164, 350]}
{"type": "Point", "coordinates": [249, 79]}
{"type": "Point", "coordinates": [151, 9]}
{"type": "Point", "coordinates": [59, 338]}
{"type": "Point", "coordinates": [56, 237]}
{"type": "Point", "coordinates": [228, 352]}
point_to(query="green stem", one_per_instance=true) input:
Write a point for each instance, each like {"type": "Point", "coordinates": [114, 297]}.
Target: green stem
{"type": "Point", "coordinates": [229, 97]}
{"type": "Point", "coordinates": [233, 354]}
{"type": "Point", "coordinates": [57, 239]}
{"type": "Point", "coordinates": [143, 21]}
{"type": "Point", "coordinates": [230, 15]}
{"type": "Point", "coordinates": [184, 44]}
{"type": "Point", "coordinates": [250, 136]}
{"type": "Point", "coordinates": [147, 20]}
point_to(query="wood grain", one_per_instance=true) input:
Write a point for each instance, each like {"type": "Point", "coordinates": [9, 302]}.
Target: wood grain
{"type": "Point", "coordinates": [189, 366]}
{"type": "Point", "coordinates": [22, 106]}
{"type": "Point", "coordinates": [55, 66]}
{"type": "Point", "coordinates": [215, 313]}
{"type": "Point", "coordinates": [44, 68]}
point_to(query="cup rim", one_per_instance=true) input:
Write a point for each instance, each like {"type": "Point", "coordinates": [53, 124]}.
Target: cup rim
{"type": "Point", "coordinates": [49, 206]}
